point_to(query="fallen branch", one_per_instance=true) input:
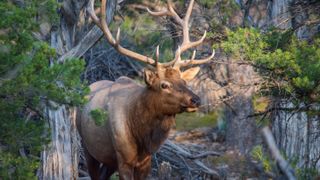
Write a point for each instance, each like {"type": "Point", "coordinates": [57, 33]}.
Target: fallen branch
{"type": "Point", "coordinates": [283, 164]}
{"type": "Point", "coordinates": [84, 45]}
{"type": "Point", "coordinates": [205, 154]}
{"type": "Point", "coordinates": [185, 162]}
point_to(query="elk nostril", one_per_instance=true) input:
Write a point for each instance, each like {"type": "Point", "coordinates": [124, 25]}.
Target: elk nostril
{"type": "Point", "coordinates": [195, 101]}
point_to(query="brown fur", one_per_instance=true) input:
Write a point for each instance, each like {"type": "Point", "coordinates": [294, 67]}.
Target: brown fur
{"type": "Point", "coordinates": [139, 120]}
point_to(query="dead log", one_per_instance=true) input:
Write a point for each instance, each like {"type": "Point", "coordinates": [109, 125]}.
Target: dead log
{"type": "Point", "coordinates": [184, 161]}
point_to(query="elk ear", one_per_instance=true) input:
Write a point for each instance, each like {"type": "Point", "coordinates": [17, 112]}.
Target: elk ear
{"type": "Point", "coordinates": [189, 74]}
{"type": "Point", "coordinates": [150, 77]}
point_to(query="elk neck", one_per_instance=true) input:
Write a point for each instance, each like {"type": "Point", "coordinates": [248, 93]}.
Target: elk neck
{"type": "Point", "coordinates": [149, 122]}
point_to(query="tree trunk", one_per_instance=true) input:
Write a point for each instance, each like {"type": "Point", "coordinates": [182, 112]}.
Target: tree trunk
{"type": "Point", "coordinates": [60, 158]}
{"type": "Point", "coordinates": [241, 130]}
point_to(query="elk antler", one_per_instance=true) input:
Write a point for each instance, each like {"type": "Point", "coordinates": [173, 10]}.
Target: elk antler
{"type": "Point", "coordinates": [106, 31]}
{"type": "Point", "coordinates": [186, 44]}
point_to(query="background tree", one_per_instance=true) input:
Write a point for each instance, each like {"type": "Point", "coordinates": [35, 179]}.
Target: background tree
{"type": "Point", "coordinates": [29, 78]}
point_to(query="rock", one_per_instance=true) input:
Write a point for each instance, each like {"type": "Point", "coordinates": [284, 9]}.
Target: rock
{"type": "Point", "coordinates": [45, 28]}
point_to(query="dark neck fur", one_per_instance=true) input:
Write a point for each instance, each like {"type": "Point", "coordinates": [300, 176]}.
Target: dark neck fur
{"type": "Point", "coordinates": [149, 122]}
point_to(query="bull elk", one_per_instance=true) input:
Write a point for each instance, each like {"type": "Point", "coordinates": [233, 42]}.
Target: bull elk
{"type": "Point", "coordinates": [138, 117]}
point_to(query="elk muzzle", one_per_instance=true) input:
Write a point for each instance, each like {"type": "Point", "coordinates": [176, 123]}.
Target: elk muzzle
{"type": "Point", "coordinates": [193, 104]}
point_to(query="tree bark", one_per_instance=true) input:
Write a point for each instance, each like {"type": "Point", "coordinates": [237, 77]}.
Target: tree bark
{"type": "Point", "coordinates": [241, 129]}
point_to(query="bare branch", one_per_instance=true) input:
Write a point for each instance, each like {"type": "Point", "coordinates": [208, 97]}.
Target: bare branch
{"type": "Point", "coordinates": [284, 165]}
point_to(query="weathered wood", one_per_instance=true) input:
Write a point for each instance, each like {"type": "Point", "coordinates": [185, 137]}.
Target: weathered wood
{"type": "Point", "coordinates": [90, 38]}
{"type": "Point", "coordinates": [180, 158]}
{"type": "Point", "coordinates": [60, 158]}
{"type": "Point", "coordinates": [164, 171]}
{"type": "Point", "coordinates": [83, 46]}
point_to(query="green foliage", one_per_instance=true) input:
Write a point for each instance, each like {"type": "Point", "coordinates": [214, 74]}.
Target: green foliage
{"type": "Point", "coordinates": [17, 24]}
{"type": "Point", "coordinates": [260, 104]}
{"type": "Point", "coordinates": [307, 173]}
{"type": "Point", "coordinates": [294, 65]}
{"type": "Point", "coordinates": [100, 116]}
{"type": "Point", "coordinates": [208, 3]}
{"type": "Point", "coordinates": [21, 167]}
{"type": "Point", "coordinates": [22, 122]}
{"type": "Point", "coordinates": [258, 154]}
{"type": "Point", "coordinates": [244, 44]}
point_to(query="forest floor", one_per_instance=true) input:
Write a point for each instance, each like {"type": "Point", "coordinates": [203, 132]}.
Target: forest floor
{"type": "Point", "coordinates": [230, 164]}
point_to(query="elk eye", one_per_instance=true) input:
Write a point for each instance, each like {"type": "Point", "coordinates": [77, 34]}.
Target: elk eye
{"type": "Point", "coordinates": [165, 85]}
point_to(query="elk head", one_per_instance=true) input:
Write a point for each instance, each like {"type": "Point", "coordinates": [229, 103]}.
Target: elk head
{"type": "Point", "coordinates": [166, 79]}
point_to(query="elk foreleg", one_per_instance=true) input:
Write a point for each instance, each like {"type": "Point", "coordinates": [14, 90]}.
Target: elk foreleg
{"type": "Point", "coordinates": [125, 171]}
{"type": "Point", "coordinates": [106, 172]}
{"type": "Point", "coordinates": [142, 169]}
{"type": "Point", "coordinates": [92, 165]}
{"type": "Point", "coordinates": [126, 162]}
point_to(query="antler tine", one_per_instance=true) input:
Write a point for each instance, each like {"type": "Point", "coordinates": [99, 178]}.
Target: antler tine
{"type": "Point", "coordinates": [92, 13]}
{"type": "Point", "coordinates": [157, 64]}
{"type": "Point", "coordinates": [169, 11]}
{"type": "Point", "coordinates": [186, 44]}
{"type": "Point", "coordinates": [104, 26]}
{"type": "Point", "coordinates": [118, 37]}
{"type": "Point", "coordinates": [157, 54]}
{"type": "Point", "coordinates": [193, 61]}
{"type": "Point", "coordinates": [175, 61]}
{"type": "Point", "coordinates": [159, 13]}
{"type": "Point", "coordinates": [193, 56]}
{"type": "Point", "coordinates": [189, 10]}
{"type": "Point", "coordinates": [185, 26]}
{"type": "Point", "coordinates": [174, 13]}
{"type": "Point", "coordinates": [179, 63]}
{"type": "Point", "coordinates": [114, 42]}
